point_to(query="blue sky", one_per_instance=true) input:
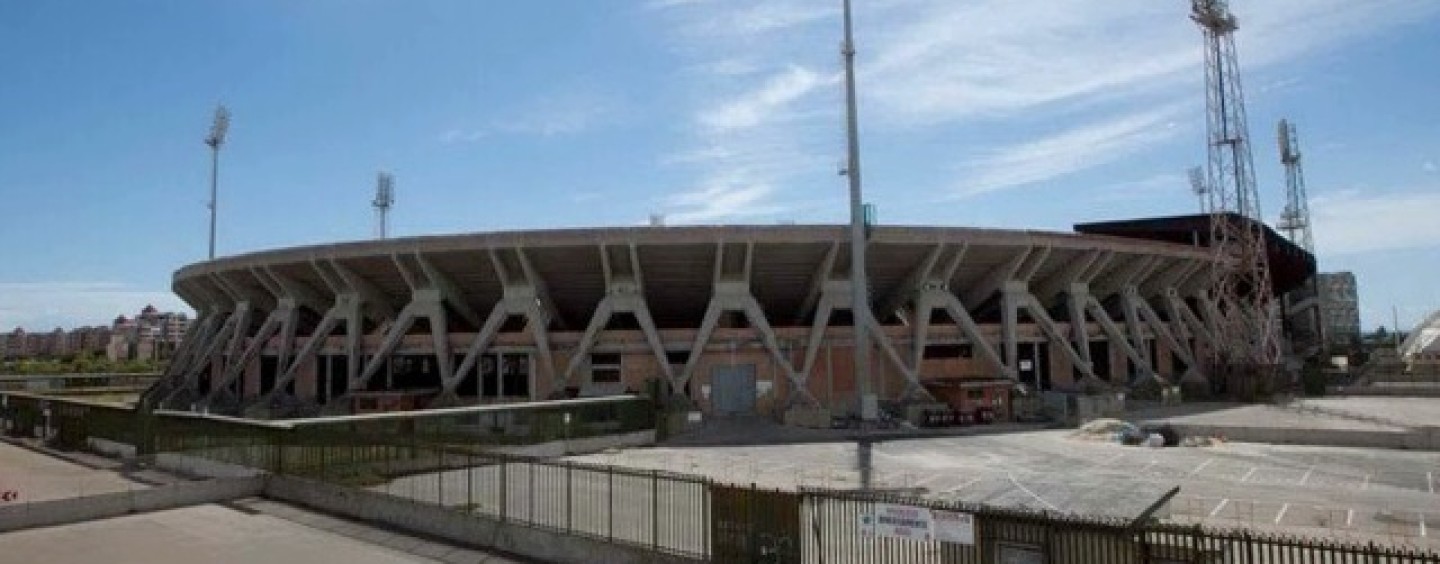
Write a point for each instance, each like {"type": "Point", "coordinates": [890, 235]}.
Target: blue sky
{"type": "Point", "coordinates": [507, 115]}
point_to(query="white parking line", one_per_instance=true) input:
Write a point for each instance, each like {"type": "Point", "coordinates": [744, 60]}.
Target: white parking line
{"type": "Point", "coordinates": [1032, 494]}
{"type": "Point", "coordinates": [1218, 508]}
{"type": "Point", "coordinates": [1349, 516]}
{"type": "Point", "coordinates": [1365, 484]}
{"type": "Point", "coordinates": [1422, 524]}
{"type": "Point", "coordinates": [1246, 477]}
{"type": "Point", "coordinates": [963, 486]}
{"type": "Point", "coordinates": [1201, 466]}
{"type": "Point", "coordinates": [1306, 477]}
{"type": "Point", "coordinates": [1430, 481]}
{"type": "Point", "coordinates": [1281, 514]}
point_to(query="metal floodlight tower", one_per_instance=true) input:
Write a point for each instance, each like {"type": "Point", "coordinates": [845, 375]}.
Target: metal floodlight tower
{"type": "Point", "coordinates": [1295, 219]}
{"type": "Point", "coordinates": [1200, 187]}
{"type": "Point", "coordinates": [859, 290]}
{"type": "Point", "coordinates": [218, 129]}
{"type": "Point", "coordinates": [384, 199]}
{"type": "Point", "coordinates": [1248, 321]}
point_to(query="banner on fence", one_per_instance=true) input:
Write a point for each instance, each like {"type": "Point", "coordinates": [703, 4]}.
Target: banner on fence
{"type": "Point", "coordinates": [953, 526]}
{"type": "Point", "coordinates": [897, 521]}
{"type": "Point", "coordinates": [918, 523]}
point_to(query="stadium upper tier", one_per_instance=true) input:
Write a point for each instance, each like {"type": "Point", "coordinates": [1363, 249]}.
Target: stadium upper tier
{"type": "Point", "coordinates": [677, 266]}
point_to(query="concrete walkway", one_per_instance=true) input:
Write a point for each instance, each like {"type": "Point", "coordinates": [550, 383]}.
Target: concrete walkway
{"type": "Point", "coordinates": [431, 550]}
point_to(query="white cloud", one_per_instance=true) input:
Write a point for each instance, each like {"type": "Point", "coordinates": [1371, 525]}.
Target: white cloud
{"type": "Point", "coordinates": [1429, 166]}
{"type": "Point", "coordinates": [1067, 152]}
{"type": "Point", "coordinates": [764, 73]}
{"type": "Point", "coordinates": [42, 306]}
{"type": "Point", "coordinates": [723, 197]}
{"type": "Point", "coordinates": [1352, 221]}
{"type": "Point", "coordinates": [763, 104]}
{"type": "Point", "coordinates": [568, 112]}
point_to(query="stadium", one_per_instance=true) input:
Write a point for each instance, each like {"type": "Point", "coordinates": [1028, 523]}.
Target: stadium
{"type": "Point", "coordinates": [737, 320]}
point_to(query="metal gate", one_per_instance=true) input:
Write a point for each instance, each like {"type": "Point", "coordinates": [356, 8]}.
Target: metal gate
{"type": "Point", "coordinates": [753, 525]}
{"type": "Point", "coordinates": [732, 389]}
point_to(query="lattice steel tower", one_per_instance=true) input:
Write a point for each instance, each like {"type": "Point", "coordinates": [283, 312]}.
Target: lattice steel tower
{"type": "Point", "coordinates": [1295, 219]}
{"type": "Point", "coordinates": [1247, 322]}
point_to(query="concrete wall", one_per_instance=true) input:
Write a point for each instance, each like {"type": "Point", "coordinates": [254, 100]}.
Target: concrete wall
{"type": "Point", "coordinates": [73, 510]}
{"type": "Point", "coordinates": [464, 528]}
{"type": "Point", "coordinates": [1425, 438]}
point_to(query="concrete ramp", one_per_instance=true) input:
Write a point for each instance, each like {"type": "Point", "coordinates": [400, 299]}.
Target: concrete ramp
{"type": "Point", "coordinates": [103, 506]}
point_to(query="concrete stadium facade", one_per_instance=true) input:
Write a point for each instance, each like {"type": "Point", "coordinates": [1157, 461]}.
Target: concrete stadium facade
{"type": "Point", "coordinates": [739, 319]}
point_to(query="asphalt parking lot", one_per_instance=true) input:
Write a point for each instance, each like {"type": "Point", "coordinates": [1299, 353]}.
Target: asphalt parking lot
{"type": "Point", "coordinates": [1364, 494]}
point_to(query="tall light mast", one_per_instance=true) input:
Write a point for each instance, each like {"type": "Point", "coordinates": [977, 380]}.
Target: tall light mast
{"type": "Point", "coordinates": [1200, 187]}
{"type": "Point", "coordinates": [384, 198]}
{"type": "Point", "coordinates": [218, 128]}
{"type": "Point", "coordinates": [1295, 218]}
{"type": "Point", "coordinates": [859, 289]}
{"type": "Point", "coordinates": [1240, 284]}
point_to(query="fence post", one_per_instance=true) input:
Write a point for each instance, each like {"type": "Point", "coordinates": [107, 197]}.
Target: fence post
{"type": "Point", "coordinates": [504, 488]}
{"type": "Point", "coordinates": [279, 443]}
{"type": "Point", "coordinates": [654, 509]}
{"type": "Point", "coordinates": [569, 497]}
{"type": "Point", "coordinates": [610, 501]}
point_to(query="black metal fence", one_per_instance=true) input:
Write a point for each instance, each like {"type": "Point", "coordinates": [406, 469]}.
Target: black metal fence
{"type": "Point", "coordinates": [453, 460]}
{"type": "Point", "coordinates": [838, 527]}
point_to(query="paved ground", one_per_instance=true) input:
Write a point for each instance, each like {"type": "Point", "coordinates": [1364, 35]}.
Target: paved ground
{"type": "Point", "coordinates": [39, 477]}
{"type": "Point", "coordinates": [258, 532]}
{"type": "Point", "coordinates": [1334, 492]}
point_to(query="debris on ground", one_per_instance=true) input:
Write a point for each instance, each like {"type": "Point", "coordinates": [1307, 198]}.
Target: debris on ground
{"type": "Point", "coordinates": [1155, 434]}
{"type": "Point", "coordinates": [1109, 430]}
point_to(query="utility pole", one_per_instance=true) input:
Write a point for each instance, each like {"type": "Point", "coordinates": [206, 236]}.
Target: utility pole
{"type": "Point", "coordinates": [1248, 320]}
{"type": "Point", "coordinates": [859, 291]}
{"type": "Point", "coordinates": [218, 128]}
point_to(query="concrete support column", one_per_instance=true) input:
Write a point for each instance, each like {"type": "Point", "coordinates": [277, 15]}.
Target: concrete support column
{"type": "Point", "coordinates": [1009, 320]}
{"type": "Point", "coordinates": [1075, 299]}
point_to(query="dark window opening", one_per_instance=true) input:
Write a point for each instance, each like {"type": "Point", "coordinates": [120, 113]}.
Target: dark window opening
{"type": "Point", "coordinates": [338, 371]}
{"type": "Point", "coordinates": [269, 371]}
{"type": "Point", "coordinates": [489, 376]}
{"type": "Point", "coordinates": [414, 372]}
{"type": "Point", "coordinates": [677, 358]}
{"type": "Point", "coordinates": [469, 385]}
{"type": "Point", "coordinates": [515, 375]}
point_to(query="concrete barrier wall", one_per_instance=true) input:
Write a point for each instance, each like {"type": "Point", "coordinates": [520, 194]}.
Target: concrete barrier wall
{"type": "Point", "coordinates": [111, 448]}
{"type": "Point", "coordinates": [1419, 439]}
{"type": "Point", "coordinates": [455, 526]}
{"type": "Point", "coordinates": [103, 506]}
